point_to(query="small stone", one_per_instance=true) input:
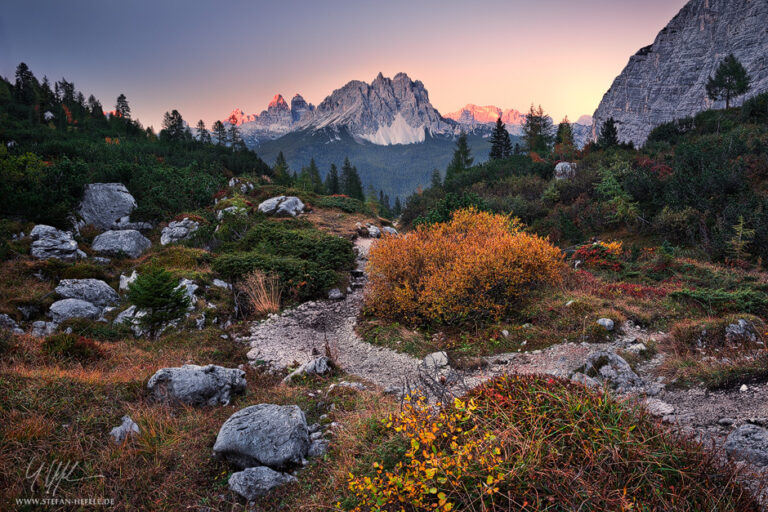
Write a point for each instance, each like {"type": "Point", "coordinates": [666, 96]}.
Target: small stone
{"type": "Point", "coordinates": [435, 361]}
{"type": "Point", "coordinates": [335, 294]}
{"type": "Point", "coordinates": [606, 323]}
{"type": "Point", "coordinates": [505, 333]}
{"type": "Point", "coordinates": [744, 388]}
{"type": "Point", "coordinates": [254, 482]}
{"type": "Point", "coordinates": [658, 408]}
{"type": "Point", "coordinates": [126, 429]}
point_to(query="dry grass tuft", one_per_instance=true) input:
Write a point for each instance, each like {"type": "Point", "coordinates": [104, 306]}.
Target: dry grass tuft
{"type": "Point", "coordinates": [262, 292]}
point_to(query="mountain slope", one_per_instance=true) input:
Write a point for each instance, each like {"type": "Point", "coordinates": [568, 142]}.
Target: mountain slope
{"type": "Point", "coordinates": [666, 80]}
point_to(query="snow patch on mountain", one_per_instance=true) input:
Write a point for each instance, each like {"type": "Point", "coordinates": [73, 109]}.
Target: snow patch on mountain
{"type": "Point", "coordinates": [399, 132]}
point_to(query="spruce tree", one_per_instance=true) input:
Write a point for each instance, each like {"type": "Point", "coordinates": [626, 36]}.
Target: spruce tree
{"type": "Point", "coordinates": [281, 171]}
{"type": "Point", "coordinates": [538, 131]}
{"type": "Point", "coordinates": [157, 293]}
{"type": "Point", "coordinates": [564, 133]}
{"type": "Point", "coordinates": [332, 181]}
{"type": "Point", "coordinates": [501, 146]}
{"type": "Point", "coordinates": [219, 133]}
{"type": "Point", "coordinates": [462, 157]}
{"type": "Point", "coordinates": [234, 138]}
{"type": "Point", "coordinates": [609, 134]}
{"type": "Point", "coordinates": [202, 134]}
{"type": "Point", "coordinates": [26, 84]}
{"type": "Point", "coordinates": [314, 177]}
{"type": "Point", "coordinates": [173, 126]}
{"type": "Point", "coordinates": [122, 109]}
{"type": "Point", "coordinates": [398, 208]}
{"type": "Point", "coordinates": [436, 182]}
{"type": "Point", "coordinates": [350, 181]}
{"type": "Point", "coordinates": [731, 80]}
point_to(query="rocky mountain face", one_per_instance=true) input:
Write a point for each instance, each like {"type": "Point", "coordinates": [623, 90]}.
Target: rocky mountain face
{"type": "Point", "coordinates": [473, 116]}
{"type": "Point", "coordinates": [666, 80]}
{"type": "Point", "coordinates": [384, 112]}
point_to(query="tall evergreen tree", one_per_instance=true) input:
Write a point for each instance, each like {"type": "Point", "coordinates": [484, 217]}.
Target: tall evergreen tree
{"type": "Point", "coordinates": [501, 145]}
{"type": "Point", "coordinates": [234, 138]}
{"type": "Point", "coordinates": [173, 126]}
{"type": "Point", "coordinates": [202, 134]}
{"type": "Point", "coordinates": [538, 131]}
{"type": "Point", "coordinates": [220, 133]}
{"type": "Point", "coordinates": [350, 181]}
{"type": "Point", "coordinates": [436, 181]}
{"type": "Point", "coordinates": [26, 84]}
{"type": "Point", "coordinates": [462, 157]}
{"type": "Point", "coordinates": [564, 133]}
{"type": "Point", "coordinates": [730, 81]}
{"type": "Point", "coordinates": [609, 134]}
{"type": "Point", "coordinates": [122, 109]}
{"type": "Point", "coordinates": [315, 179]}
{"type": "Point", "coordinates": [398, 208]}
{"type": "Point", "coordinates": [332, 181]}
{"type": "Point", "coordinates": [281, 171]}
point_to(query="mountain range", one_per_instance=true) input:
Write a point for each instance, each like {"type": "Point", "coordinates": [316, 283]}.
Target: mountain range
{"type": "Point", "coordinates": [389, 129]}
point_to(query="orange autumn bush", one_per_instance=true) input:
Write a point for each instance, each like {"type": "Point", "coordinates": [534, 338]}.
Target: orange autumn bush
{"type": "Point", "coordinates": [474, 268]}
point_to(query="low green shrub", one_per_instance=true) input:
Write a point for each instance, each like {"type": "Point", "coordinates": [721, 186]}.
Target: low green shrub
{"type": "Point", "coordinates": [96, 330]}
{"type": "Point", "coordinates": [300, 278]}
{"type": "Point", "coordinates": [156, 292]}
{"type": "Point", "coordinates": [712, 301]}
{"type": "Point", "coordinates": [343, 203]}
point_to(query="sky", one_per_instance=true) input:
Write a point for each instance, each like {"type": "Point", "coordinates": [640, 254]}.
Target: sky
{"type": "Point", "coordinates": [205, 58]}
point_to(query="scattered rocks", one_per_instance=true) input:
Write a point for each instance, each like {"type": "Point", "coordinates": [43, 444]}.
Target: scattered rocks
{"type": "Point", "coordinates": [373, 231]}
{"type": "Point", "coordinates": [612, 369]}
{"type": "Point", "coordinates": [368, 231]}
{"type": "Point", "coordinates": [658, 408]}
{"type": "Point", "coordinates": [218, 283]}
{"type": "Point", "coordinates": [580, 378]}
{"type": "Point", "coordinates": [748, 443]}
{"type": "Point", "coordinates": [131, 317]}
{"type": "Point", "coordinates": [435, 361]}
{"type": "Point", "coordinates": [264, 435]}
{"type": "Point", "coordinates": [254, 482]}
{"type": "Point", "coordinates": [335, 294]}
{"type": "Point", "coordinates": [6, 322]}
{"type": "Point", "coordinates": [318, 366]}
{"type": "Point", "coordinates": [389, 231]}
{"type": "Point", "coordinates": [127, 242]}
{"type": "Point", "coordinates": [742, 330]}
{"type": "Point", "coordinates": [42, 329]}
{"type": "Point", "coordinates": [49, 242]}
{"type": "Point", "coordinates": [94, 291]}
{"type": "Point", "coordinates": [190, 288]}
{"type": "Point", "coordinates": [197, 385]}
{"type": "Point", "coordinates": [606, 323]}
{"type": "Point", "coordinates": [105, 204]}
{"type": "Point", "coordinates": [125, 281]}
{"type": "Point", "coordinates": [282, 206]}
{"type": "Point", "coordinates": [178, 230]}
{"type": "Point", "coordinates": [126, 429]}
{"type": "Point", "coordinates": [73, 308]}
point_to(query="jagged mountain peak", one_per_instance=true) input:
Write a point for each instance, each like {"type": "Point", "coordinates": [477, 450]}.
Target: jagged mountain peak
{"type": "Point", "coordinates": [278, 102]}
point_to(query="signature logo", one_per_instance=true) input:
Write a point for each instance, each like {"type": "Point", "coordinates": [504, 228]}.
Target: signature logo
{"type": "Point", "coordinates": [50, 476]}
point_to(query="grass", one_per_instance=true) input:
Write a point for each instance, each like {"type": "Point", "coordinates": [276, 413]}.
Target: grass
{"type": "Point", "coordinates": [538, 443]}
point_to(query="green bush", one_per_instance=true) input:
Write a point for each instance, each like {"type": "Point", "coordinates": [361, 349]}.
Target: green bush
{"type": "Point", "coordinates": [343, 203]}
{"type": "Point", "coordinates": [157, 293]}
{"type": "Point", "coordinates": [720, 301]}
{"type": "Point", "coordinates": [72, 346]}
{"type": "Point", "coordinates": [301, 278]}
{"type": "Point", "coordinates": [442, 211]}
{"type": "Point", "coordinates": [96, 330]}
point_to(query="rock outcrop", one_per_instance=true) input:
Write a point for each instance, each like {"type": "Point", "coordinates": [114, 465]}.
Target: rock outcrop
{"type": "Point", "coordinates": [49, 242]}
{"type": "Point", "coordinates": [73, 308]}
{"type": "Point", "coordinates": [178, 230]}
{"type": "Point", "coordinates": [127, 242]}
{"type": "Point", "coordinates": [94, 291]}
{"type": "Point", "coordinates": [666, 80]}
{"type": "Point", "coordinates": [282, 206]}
{"type": "Point", "coordinates": [197, 385]}
{"type": "Point", "coordinates": [749, 443]}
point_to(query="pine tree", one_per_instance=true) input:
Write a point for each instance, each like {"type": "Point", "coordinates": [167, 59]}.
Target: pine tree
{"type": "Point", "coordinates": [220, 133]}
{"type": "Point", "coordinates": [398, 208]}
{"type": "Point", "coordinates": [234, 138]}
{"type": "Point", "coordinates": [742, 237]}
{"type": "Point", "coordinates": [314, 177]}
{"type": "Point", "coordinates": [538, 131]}
{"type": "Point", "coordinates": [350, 181]}
{"type": "Point", "coordinates": [462, 157]}
{"type": "Point", "coordinates": [158, 294]}
{"type": "Point", "coordinates": [332, 181]}
{"type": "Point", "coordinates": [731, 80]}
{"type": "Point", "coordinates": [281, 171]}
{"type": "Point", "coordinates": [26, 84]}
{"type": "Point", "coordinates": [609, 134]}
{"type": "Point", "coordinates": [202, 134]}
{"type": "Point", "coordinates": [173, 127]}
{"type": "Point", "coordinates": [122, 109]}
{"type": "Point", "coordinates": [436, 182]}
{"type": "Point", "coordinates": [47, 97]}
{"type": "Point", "coordinates": [501, 146]}
{"type": "Point", "coordinates": [564, 133]}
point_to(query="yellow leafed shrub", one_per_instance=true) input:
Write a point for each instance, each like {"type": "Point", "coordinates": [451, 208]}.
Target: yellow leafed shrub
{"type": "Point", "coordinates": [473, 268]}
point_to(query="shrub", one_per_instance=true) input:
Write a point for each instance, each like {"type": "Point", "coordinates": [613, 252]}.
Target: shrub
{"type": "Point", "coordinates": [96, 330]}
{"type": "Point", "coordinates": [442, 211]}
{"type": "Point", "coordinates": [157, 293]}
{"type": "Point", "coordinates": [300, 278]}
{"type": "Point", "coordinates": [600, 255]}
{"type": "Point", "coordinates": [474, 268]}
{"type": "Point", "coordinates": [262, 291]}
{"type": "Point", "coordinates": [746, 300]}
{"type": "Point", "coordinates": [72, 346]}
{"type": "Point", "coordinates": [712, 334]}
{"type": "Point", "coordinates": [343, 203]}
{"type": "Point", "coordinates": [534, 443]}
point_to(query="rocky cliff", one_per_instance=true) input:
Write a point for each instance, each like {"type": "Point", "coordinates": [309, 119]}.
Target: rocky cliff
{"type": "Point", "coordinates": [666, 80]}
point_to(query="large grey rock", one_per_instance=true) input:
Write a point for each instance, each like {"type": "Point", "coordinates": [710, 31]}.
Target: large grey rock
{"type": "Point", "coordinates": [128, 242]}
{"type": "Point", "coordinates": [264, 435]}
{"type": "Point", "coordinates": [612, 369]}
{"type": "Point", "coordinates": [197, 385]}
{"type": "Point", "coordinates": [666, 80]}
{"type": "Point", "coordinates": [282, 206]}
{"type": "Point", "coordinates": [389, 231]}
{"type": "Point", "coordinates": [126, 429]}
{"type": "Point", "coordinates": [373, 231]}
{"type": "Point", "coordinates": [565, 171]}
{"type": "Point", "coordinates": [105, 204]}
{"type": "Point", "coordinates": [748, 443]}
{"type": "Point", "coordinates": [254, 482]}
{"type": "Point", "coordinates": [49, 242]}
{"type": "Point", "coordinates": [94, 291]}
{"type": "Point", "coordinates": [73, 308]}
{"type": "Point", "coordinates": [178, 230]}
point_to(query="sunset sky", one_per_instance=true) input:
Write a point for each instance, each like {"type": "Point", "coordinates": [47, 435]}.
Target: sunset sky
{"type": "Point", "coordinates": [206, 58]}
